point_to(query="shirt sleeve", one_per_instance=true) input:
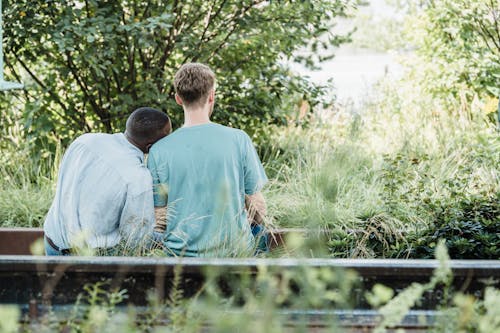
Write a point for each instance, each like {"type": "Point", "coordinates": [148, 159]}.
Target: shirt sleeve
{"type": "Point", "coordinates": [160, 190]}
{"type": "Point", "coordinates": [137, 218]}
{"type": "Point", "coordinates": [254, 175]}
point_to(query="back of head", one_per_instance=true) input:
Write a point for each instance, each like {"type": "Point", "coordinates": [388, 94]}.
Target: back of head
{"type": "Point", "coordinates": [193, 83]}
{"type": "Point", "coordinates": [146, 125]}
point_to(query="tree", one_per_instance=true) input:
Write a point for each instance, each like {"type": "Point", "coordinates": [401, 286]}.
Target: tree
{"type": "Point", "coordinates": [460, 40]}
{"type": "Point", "coordinates": [88, 64]}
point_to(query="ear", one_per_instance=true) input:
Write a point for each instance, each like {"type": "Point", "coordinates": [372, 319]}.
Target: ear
{"type": "Point", "coordinates": [178, 99]}
{"type": "Point", "coordinates": [168, 126]}
{"type": "Point", "coordinates": [211, 96]}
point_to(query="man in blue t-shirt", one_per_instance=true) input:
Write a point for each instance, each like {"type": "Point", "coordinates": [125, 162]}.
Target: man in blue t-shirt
{"type": "Point", "coordinates": [207, 177]}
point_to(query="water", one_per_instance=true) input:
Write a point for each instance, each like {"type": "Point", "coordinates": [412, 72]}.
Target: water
{"type": "Point", "coordinates": [354, 73]}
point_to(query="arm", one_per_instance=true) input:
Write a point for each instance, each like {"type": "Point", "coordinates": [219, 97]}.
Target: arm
{"type": "Point", "coordinates": [137, 219]}
{"type": "Point", "coordinates": [160, 227]}
{"type": "Point", "coordinates": [161, 219]}
{"type": "Point", "coordinates": [254, 179]}
{"type": "Point", "coordinates": [160, 196]}
{"type": "Point", "coordinates": [256, 207]}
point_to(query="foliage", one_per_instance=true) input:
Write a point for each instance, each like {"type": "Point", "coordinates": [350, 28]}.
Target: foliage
{"type": "Point", "coordinates": [459, 42]}
{"type": "Point", "coordinates": [470, 228]}
{"type": "Point", "coordinates": [409, 170]}
{"type": "Point", "coordinates": [100, 305]}
{"type": "Point", "coordinates": [267, 300]}
{"type": "Point", "coordinates": [27, 184]}
{"type": "Point", "coordinates": [394, 311]}
{"type": "Point", "coordinates": [379, 34]}
{"type": "Point", "coordinates": [389, 185]}
{"type": "Point", "coordinates": [397, 180]}
{"type": "Point", "coordinates": [10, 316]}
{"type": "Point", "coordinates": [252, 301]}
{"type": "Point", "coordinates": [95, 310]}
{"type": "Point", "coordinates": [88, 64]}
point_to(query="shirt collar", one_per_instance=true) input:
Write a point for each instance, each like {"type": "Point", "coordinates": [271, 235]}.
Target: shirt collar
{"type": "Point", "coordinates": [133, 148]}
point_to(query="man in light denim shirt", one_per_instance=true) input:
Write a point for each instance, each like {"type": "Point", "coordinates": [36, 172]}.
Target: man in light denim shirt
{"type": "Point", "coordinates": [103, 194]}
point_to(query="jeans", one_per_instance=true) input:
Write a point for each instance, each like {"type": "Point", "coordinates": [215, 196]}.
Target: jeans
{"type": "Point", "coordinates": [50, 251]}
{"type": "Point", "coordinates": [261, 238]}
{"type": "Point", "coordinates": [260, 234]}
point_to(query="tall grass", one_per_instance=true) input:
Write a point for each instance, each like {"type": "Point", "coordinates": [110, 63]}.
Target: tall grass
{"type": "Point", "coordinates": [374, 179]}
{"type": "Point", "coordinates": [26, 187]}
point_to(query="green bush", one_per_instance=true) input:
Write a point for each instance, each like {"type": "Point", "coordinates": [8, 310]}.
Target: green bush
{"type": "Point", "coordinates": [459, 46]}
{"type": "Point", "coordinates": [469, 227]}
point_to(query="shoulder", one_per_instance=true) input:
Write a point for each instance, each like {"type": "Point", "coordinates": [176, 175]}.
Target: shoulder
{"type": "Point", "coordinates": [114, 148]}
{"type": "Point", "coordinates": [91, 137]}
{"type": "Point", "coordinates": [243, 137]}
{"type": "Point", "coordinates": [233, 132]}
{"type": "Point", "coordinates": [226, 128]}
{"type": "Point", "coordinates": [235, 135]}
{"type": "Point", "coordinates": [160, 145]}
{"type": "Point", "coordinates": [82, 144]}
{"type": "Point", "coordinates": [142, 174]}
{"type": "Point", "coordinates": [165, 141]}
{"type": "Point", "coordinates": [95, 142]}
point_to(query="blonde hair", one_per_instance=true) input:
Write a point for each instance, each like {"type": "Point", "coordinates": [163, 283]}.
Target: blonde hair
{"type": "Point", "coordinates": [193, 82]}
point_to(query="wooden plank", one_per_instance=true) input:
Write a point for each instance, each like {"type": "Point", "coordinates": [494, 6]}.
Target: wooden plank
{"type": "Point", "coordinates": [37, 283]}
{"type": "Point", "coordinates": [17, 241]}
{"type": "Point", "coordinates": [60, 279]}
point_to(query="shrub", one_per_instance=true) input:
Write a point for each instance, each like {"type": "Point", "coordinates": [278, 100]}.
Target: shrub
{"type": "Point", "coordinates": [469, 227]}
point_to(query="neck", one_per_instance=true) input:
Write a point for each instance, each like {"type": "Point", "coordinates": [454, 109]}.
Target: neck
{"type": "Point", "coordinates": [133, 142]}
{"type": "Point", "coordinates": [196, 116]}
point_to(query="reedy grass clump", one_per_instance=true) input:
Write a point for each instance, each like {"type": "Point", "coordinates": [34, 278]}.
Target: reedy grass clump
{"type": "Point", "coordinates": [27, 185]}
{"type": "Point", "coordinates": [377, 182]}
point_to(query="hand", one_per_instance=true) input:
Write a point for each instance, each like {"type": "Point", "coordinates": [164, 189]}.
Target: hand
{"type": "Point", "coordinates": [157, 240]}
{"type": "Point", "coordinates": [256, 208]}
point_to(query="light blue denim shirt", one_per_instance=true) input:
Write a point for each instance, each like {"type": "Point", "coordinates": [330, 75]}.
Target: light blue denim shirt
{"type": "Point", "coordinates": [103, 195]}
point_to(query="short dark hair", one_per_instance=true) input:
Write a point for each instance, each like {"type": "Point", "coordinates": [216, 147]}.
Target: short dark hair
{"type": "Point", "coordinates": [193, 82]}
{"type": "Point", "coordinates": [146, 125]}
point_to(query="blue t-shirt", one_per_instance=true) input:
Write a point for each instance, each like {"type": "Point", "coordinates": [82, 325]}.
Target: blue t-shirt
{"type": "Point", "coordinates": [202, 174]}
